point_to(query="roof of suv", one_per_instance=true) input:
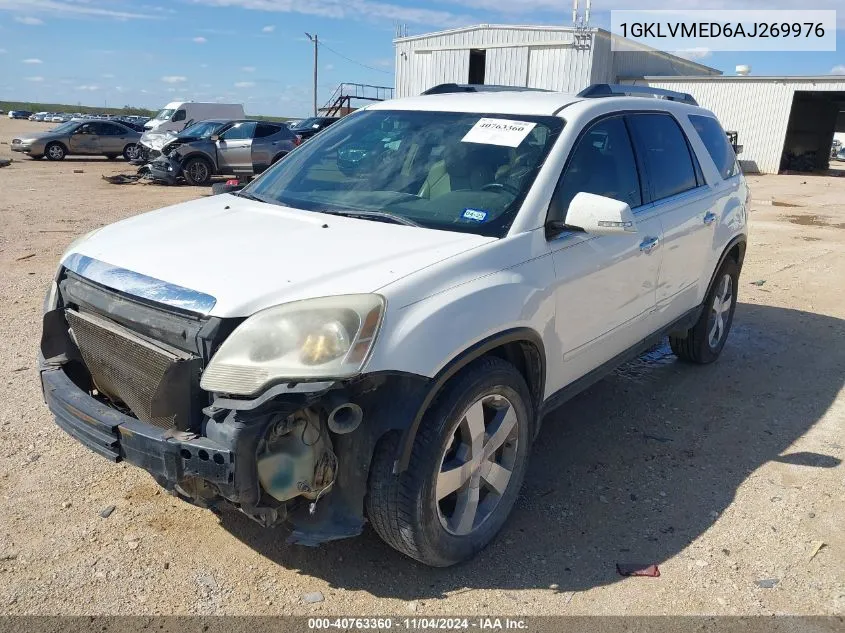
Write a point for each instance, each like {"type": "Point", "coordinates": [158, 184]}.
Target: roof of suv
{"type": "Point", "coordinates": [508, 102]}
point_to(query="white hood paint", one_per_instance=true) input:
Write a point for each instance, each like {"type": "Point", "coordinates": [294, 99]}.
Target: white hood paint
{"type": "Point", "coordinates": [250, 255]}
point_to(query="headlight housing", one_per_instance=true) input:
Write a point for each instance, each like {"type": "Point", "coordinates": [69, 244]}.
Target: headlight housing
{"type": "Point", "coordinates": [328, 337]}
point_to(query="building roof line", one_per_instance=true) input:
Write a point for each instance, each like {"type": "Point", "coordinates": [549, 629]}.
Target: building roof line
{"type": "Point", "coordinates": [751, 78]}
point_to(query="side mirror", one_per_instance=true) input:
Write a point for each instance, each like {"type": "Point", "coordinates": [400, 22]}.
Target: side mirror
{"type": "Point", "coordinates": [598, 215]}
{"type": "Point", "coordinates": [214, 137]}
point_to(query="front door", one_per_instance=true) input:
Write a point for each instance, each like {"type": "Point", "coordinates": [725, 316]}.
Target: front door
{"type": "Point", "coordinates": [84, 140]}
{"type": "Point", "coordinates": [605, 285]}
{"type": "Point", "coordinates": [234, 149]}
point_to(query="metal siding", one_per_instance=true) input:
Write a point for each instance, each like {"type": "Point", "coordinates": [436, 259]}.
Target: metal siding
{"type": "Point", "coordinates": [757, 110]}
{"type": "Point", "coordinates": [507, 66]}
{"type": "Point", "coordinates": [602, 69]}
{"type": "Point", "coordinates": [560, 69]}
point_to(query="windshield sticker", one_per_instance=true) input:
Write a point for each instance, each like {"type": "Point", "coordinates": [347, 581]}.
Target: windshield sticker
{"type": "Point", "coordinates": [499, 132]}
{"type": "Point", "coordinates": [475, 215]}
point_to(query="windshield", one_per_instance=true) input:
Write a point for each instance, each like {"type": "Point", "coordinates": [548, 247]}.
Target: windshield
{"type": "Point", "coordinates": [454, 171]}
{"type": "Point", "coordinates": [203, 129]}
{"type": "Point", "coordinates": [64, 128]}
{"type": "Point", "coordinates": [164, 114]}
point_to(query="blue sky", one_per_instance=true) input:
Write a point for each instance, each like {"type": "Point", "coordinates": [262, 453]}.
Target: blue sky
{"type": "Point", "coordinates": [148, 52]}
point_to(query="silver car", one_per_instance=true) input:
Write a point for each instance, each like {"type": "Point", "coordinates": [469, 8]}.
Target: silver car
{"type": "Point", "coordinates": [216, 147]}
{"type": "Point", "coordinates": [97, 138]}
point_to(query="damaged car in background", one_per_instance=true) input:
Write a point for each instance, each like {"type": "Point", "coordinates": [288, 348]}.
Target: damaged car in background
{"type": "Point", "coordinates": [373, 329]}
{"type": "Point", "coordinates": [213, 148]}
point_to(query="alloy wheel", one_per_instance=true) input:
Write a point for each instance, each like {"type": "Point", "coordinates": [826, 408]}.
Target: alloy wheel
{"type": "Point", "coordinates": [720, 312]}
{"type": "Point", "coordinates": [477, 465]}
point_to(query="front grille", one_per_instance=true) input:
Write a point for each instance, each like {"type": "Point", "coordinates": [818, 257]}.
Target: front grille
{"type": "Point", "coordinates": [157, 384]}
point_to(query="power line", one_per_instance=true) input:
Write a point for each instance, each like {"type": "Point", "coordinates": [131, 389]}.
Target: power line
{"type": "Point", "coordinates": [378, 70]}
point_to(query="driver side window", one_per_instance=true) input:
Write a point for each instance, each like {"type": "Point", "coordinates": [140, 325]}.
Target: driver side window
{"type": "Point", "coordinates": [180, 115]}
{"type": "Point", "coordinates": [239, 132]}
{"type": "Point", "coordinates": [602, 163]}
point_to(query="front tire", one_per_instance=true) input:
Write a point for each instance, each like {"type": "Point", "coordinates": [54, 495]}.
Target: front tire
{"type": "Point", "coordinates": [466, 468]}
{"type": "Point", "coordinates": [55, 151]}
{"type": "Point", "coordinates": [703, 342]}
{"type": "Point", "coordinates": [131, 151]}
{"type": "Point", "coordinates": [197, 171]}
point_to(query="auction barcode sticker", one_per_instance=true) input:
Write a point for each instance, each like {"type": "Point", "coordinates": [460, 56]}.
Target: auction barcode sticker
{"type": "Point", "coordinates": [499, 132]}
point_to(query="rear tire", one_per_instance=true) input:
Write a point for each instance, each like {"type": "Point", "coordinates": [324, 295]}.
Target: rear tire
{"type": "Point", "coordinates": [55, 151]}
{"type": "Point", "coordinates": [703, 342]}
{"type": "Point", "coordinates": [457, 450]}
{"type": "Point", "coordinates": [197, 171]}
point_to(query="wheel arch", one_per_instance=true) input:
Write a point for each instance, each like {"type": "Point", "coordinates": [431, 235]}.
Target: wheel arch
{"type": "Point", "coordinates": [735, 249]}
{"type": "Point", "coordinates": [60, 143]}
{"type": "Point", "coordinates": [522, 347]}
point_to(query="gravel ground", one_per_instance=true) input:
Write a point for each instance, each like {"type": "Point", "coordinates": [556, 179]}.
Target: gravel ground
{"type": "Point", "coordinates": [727, 476]}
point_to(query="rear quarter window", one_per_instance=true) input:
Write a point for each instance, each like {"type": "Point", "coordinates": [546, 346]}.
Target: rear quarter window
{"type": "Point", "coordinates": [716, 142]}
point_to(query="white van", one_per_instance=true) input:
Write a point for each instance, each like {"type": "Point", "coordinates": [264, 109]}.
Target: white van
{"type": "Point", "coordinates": [178, 115]}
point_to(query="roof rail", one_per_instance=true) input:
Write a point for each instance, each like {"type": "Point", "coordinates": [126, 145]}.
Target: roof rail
{"type": "Point", "coordinates": [452, 88]}
{"type": "Point", "coordinates": [619, 90]}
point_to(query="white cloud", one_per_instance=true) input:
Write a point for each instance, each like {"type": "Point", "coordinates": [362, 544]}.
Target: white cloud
{"type": "Point", "coordinates": [694, 54]}
{"type": "Point", "coordinates": [88, 88]}
{"type": "Point", "coordinates": [269, 28]}
{"type": "Point", "coordinates": [245, 84]}
{"type": "Point", "coordinates": [248, 69]}
{"type": "Point", "coordinates": [361, 9]}
{"type": "Point", "coordinates": [32, 60]}
{"type": "Point", "coordinates": [200, 40]}
{"type": "Point", "coordinates": [174, 79]}
{"type": "Point", "coordinates": [838, 70]}
{"type": "Point", "coordinates": [69, 7]}
{"type": "Point", "coordinates": [36, 79]}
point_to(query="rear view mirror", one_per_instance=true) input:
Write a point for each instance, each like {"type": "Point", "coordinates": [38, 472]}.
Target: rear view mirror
{"type": "Point", "coordinates": [598, 215]}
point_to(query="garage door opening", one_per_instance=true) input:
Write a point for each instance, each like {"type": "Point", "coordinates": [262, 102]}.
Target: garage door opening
{"type": "Point", "coordinates": [814, 119]}
{"type": "Point", "coordinates": [477, 66]}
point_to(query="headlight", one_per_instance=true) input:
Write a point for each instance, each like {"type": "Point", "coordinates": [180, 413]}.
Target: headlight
{"type": "Point", "coordinates": [329, 337]}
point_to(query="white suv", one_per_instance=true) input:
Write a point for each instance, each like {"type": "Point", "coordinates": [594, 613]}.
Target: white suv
{"type": "Point", "coordinates": [376, 326]}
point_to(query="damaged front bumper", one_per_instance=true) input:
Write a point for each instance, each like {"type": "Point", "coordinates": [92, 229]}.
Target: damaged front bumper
{"type": "Point", "coordinates": [221, 463]}
{"type": "Point", "coordinates": [165, 169]}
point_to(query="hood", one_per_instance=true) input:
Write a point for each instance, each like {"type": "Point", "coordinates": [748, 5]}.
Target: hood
{"type": "Point", "coordinates": [249, 255]}
{"type": "Point", "coordinates": [157, 140]}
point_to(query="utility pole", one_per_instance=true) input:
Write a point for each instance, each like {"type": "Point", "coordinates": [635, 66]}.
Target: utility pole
{"type": "Point", "coordinates": [316, 41]}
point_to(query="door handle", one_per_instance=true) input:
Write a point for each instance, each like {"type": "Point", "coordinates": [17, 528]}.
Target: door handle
{"type": "Point", "coordinates": [648, 245]}
{"type": "Point", "coordinates": [709, 218]}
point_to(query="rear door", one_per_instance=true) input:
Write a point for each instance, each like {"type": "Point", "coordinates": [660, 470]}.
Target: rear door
{"type": "Point", "coordinates": [234, 149]}
{"type": "Point", "coordinates": [680, 197]}
{"type": "Point", "coordinates": [112, 138]}
{"type": "Point", "coordinates": [271, 141]}
{"type": "Point", "coordinates": [605, 291]}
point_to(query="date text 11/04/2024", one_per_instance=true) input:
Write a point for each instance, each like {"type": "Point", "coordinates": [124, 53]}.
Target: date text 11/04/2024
{"type": "Point", "coordinates": [418, 624]}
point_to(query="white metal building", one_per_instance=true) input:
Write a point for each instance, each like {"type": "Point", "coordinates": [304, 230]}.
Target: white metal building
{"type": "Point", "coordinates": [775, 117]}
{"type": "Point", "coordinates": [565, 59]}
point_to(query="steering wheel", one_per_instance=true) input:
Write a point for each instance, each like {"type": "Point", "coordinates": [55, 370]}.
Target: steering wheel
{"type": "Point", "coordinates": [501, 186]}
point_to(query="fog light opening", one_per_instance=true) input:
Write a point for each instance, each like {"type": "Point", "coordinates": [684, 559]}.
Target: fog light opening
{"type": "Point", "coordinates": [345, 418]}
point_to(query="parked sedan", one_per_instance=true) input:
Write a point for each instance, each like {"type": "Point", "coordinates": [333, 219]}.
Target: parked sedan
{"type": "Point", "coordinates": [239, 148]}
{"type": "Point", "coordinates": [19, 114]}
{"type": "Point", "coordinates": [104, 138]}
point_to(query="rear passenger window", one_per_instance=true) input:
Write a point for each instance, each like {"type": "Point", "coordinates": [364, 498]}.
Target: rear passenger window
{"type": "Point", "coordinates": [265, 129]}
{"type": "Point", "coordinates": [602, 163]}
{"type": "Point", "coordinates": [663, 149]}
{"type": "Point", "coordinates": [716, 142]}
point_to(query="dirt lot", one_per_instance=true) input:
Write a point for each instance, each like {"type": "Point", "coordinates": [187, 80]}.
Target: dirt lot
{"type": "Point", "coordinates": [725, 475]}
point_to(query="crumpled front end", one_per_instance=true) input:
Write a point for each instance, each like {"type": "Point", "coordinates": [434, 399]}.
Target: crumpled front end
{"type": "Point", "coordinates": [120, 372]}
{"type": "Point", "coordinates": [165, 169]}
